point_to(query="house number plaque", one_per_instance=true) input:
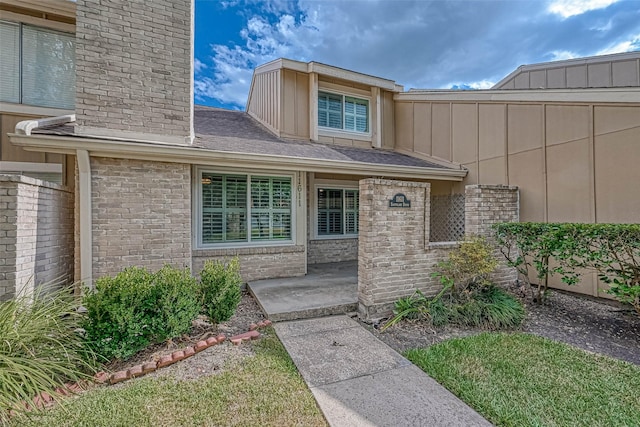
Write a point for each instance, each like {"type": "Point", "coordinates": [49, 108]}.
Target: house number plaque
{"type": "Point", "coordinates": [399, 201]}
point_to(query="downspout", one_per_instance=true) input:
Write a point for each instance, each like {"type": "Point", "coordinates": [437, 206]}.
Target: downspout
{"type": "Point", "coordinates": [84, 202]}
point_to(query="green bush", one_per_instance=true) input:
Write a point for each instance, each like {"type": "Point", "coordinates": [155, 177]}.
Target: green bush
{"type": "Point", "coordinates": [40, 347]}
{"type": "Point", "coordinates": [220, 288]}
{"type": "Point", "coordinates": [612, 250]}
{"type": "Point", "coordinates": [136, 308]}
{"type": "Point", "coordinates": [467, 297]}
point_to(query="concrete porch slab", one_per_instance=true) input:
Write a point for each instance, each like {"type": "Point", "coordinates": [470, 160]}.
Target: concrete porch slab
{"type": "Point", "coordinates": [327, 289]}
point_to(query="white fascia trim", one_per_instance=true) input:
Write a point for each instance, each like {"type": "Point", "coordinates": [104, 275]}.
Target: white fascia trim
{"type": "Point", "coordinates": [84, 203]}
{"type": "Point", "coordinates": [32, 110]}
{"type": "Point", "coordinates": [25, 127]}
{"type": "Point", "coordinates": [182, 154]}
{"type": "Point", "coordinates": [609, 95]}
{"type": "Point", "coordinates": [331, 71]}
{"type": "Point", "coordinates": [58, 7]}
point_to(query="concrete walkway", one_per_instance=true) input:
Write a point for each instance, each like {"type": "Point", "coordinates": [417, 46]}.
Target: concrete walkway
{"type": "Point", "coordinates": [358, 380]}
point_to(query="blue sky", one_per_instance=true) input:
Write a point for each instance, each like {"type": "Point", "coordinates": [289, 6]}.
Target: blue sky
{"type": "Point", "coordinates": [419, 44]}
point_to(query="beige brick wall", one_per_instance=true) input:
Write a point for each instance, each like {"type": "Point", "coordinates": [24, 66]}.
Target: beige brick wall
{"type": "Point", "coordinates": [36, 234]}
{"type": "Point", "coordinates": [134, 67]}
{"type": "Point", "coordinates": [258, 263]}
{"type": "Point", "coordinates": [486, 205]}
{"type": "Point", "coordinates": [395, 257]}
{"type": "Point", "coordinates": [141, 214]}
{"type": "Point", "coordinates": [332, 250]}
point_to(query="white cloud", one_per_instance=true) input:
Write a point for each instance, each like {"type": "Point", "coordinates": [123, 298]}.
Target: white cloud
{"type": "Point", "coordinates": [623, 46]}
{"type": "Point", "coordinates": [561, 55]}
{"type": "Point", "coordinates": [198, 65]}
{"type": "Point", "coordinates": [568, 8]}
{"type": "Point", "coordinates": [424, 44]}
{"type": "Point", "coordinates": [479, 85]}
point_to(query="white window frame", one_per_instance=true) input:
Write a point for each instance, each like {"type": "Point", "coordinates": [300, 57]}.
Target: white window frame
{"type": "Point", "coordinates": [331, 185]}
{"type": "Point", "coordinates": [329, 131]}
{"type": "Point", "coordinates": [20, 104]}
{"type": "Point", "coordinates": [197, 208]}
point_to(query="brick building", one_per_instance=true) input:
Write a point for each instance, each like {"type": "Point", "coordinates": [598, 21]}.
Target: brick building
{"type": "Point", "coordinates": [308, 172]}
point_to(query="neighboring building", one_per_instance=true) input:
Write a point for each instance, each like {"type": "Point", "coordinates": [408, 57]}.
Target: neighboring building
{"type": "Point", "coordinates": [161, 181]}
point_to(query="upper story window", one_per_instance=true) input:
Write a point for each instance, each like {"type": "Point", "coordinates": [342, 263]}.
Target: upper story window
{"type": "Point", "coordinates": [242, 209]}
{"type": "Point", "coordinates": [37, 67]}
{"type": "Point", "coordinates": [343, 112]}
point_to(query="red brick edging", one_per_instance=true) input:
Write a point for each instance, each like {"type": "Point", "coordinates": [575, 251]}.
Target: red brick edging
{"type": "Point", "coordinates": [44, 399]}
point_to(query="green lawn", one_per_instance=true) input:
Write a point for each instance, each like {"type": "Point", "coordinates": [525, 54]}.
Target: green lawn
{"type": "Point", "coordinates": [264, 390]}
{"type": "Point", "coordinates": [525, 380]}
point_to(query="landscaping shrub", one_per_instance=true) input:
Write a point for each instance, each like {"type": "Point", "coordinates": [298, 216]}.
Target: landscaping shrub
{"type": "Point", "coordinates": [40, 347]}
{"type": "Point", "coordinates": [220, 288]}
{"type": "Point", "coordinates": [468, 297]}
{"type": "Point", "coordinates": [136, 308]}
{"type": "Point", "coordinates": [613, 250]}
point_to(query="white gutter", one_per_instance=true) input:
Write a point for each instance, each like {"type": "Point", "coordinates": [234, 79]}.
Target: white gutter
{"type": "Point", "coordinates": [84, 202]}
{"type": "Point", "coordinates": [182, 154]}
{"type": "Point", "coordinates": [25, 127]}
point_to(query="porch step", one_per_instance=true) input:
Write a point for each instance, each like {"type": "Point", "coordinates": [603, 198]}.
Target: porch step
{"type": "Point", "coordinates": [327, 290]}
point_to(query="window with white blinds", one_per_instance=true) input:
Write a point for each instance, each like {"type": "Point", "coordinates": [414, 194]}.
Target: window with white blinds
{"type": "Point", "coordinates": [337, 212]}
{"type": "Point", "coordinates": [245, 208]}
{"type": "Point", "coordinates": [37, 67]}
{"type": "Point", "coordinates": [343, 112]}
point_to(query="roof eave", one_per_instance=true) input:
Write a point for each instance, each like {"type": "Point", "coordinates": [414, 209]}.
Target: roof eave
{"type": "Point", "coordinates": [180, 154]}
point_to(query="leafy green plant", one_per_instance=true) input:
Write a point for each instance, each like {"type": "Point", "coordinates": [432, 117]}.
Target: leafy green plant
{"type": "Point", "coordinates": [41, 347]}
{"type": "Point", "coordinates": [613, 250]}
{"type": "Point", "coordinates": [220, 289]}
{"type": "Point", "coordinates": [467, 266]}
{"type": "Point", "coordinates": [467, 296]}
{"type": "Point", "coordinates": [135, 308]}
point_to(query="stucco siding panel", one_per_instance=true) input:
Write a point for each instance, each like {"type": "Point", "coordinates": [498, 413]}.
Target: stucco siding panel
{"type": "Point", "coordinates": [609, 119]}
{"type": "Point", "coordinates": [388, 120]}
{"type": "Point", "coordinates": [525, 171]}
{"type": "Point", "coordinates": [465, 133]}
{"type": "Point", "coordinates": [492, 171]}
{"type": "Point", "coordinates": [524, 127]}
{"type": "Point", "coordinates": [599, 75]}
{"type": "Point", "coordinates": [491, 130]}
{"type": "Point", "coordinates": [576, 76]}
{"type": "Point", "coordinates": [441, 131]}
{"type": "Point", "coordinates": [566, 123]}
{"type": "Point", "coordinates": [625, 73]}
{"type": "Point", "coordinates": [422, 128]}
{"type": "Point", "coordinates": [569, 182]}
{"type": "Point", "coordinates": [618, 176]}
{"type": "Point", "coordinates": [404, 125]}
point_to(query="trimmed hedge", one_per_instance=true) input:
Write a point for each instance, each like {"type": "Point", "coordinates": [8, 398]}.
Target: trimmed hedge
{"type": "Point", "coordinates": [136, 308]}
{"type": "Point", "coordinates": [613, 250]}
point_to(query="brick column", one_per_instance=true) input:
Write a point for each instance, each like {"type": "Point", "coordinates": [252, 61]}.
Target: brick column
{"type": "Point", "coordinates": [392, 259]}
{"type": "Point", "coordinates": [486, 205]}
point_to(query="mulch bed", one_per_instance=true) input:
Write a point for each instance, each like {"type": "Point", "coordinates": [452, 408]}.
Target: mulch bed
{"type": "Point", "coordinates": [596, 325]}
{"type": "Point", "coordinates": [211, 360]}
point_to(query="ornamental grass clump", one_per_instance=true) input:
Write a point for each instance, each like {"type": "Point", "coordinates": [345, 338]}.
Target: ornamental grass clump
{"type": "Point", "coordinates": [467, 297]}
{"type": "Point", "coordinates": [136, 308]}
{"type": "Point", "coordinates": [220, 289]}
{"type": "Point", "coordinates": [41, 347]}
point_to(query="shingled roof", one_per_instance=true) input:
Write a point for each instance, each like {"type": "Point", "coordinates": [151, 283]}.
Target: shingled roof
{"type": "Point", "coordinates": [236, 131]}
{"type": "Point", "coordinates": [228, 131]}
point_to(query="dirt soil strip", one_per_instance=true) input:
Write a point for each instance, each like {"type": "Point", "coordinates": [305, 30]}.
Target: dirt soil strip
{"type": "Point", "coordinates": [596, 325]}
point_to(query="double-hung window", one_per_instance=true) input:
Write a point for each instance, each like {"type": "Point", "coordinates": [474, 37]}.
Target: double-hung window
{"type": "Point", "coordinates": [343, 112]}
{"type": "Point", "coordinates": [244, 208]}
{"type": "Point", "coordinates": [37, 66]}
{"type": "Point", "coordinates": [337, 212]}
